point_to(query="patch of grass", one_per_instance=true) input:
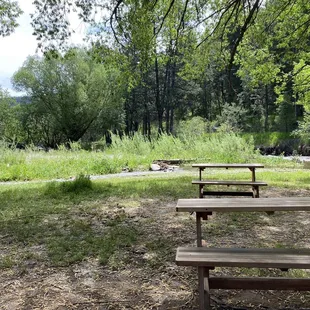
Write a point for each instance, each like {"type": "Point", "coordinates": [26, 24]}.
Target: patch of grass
{"type": "Point", "coordinates": [6, 262]}
{"type": "Point", "coordinates": [79, 184]}
{"type": "Point", "coordinates": [171, 187]}
{"type": "Point", "coordinates": [34, 215]}
{"type": "Point", "coordinates": [299, 273]}
{"type": "Point", "coordinates": [116, 239]}
{"type": "Point", "coordinates": [218, 229]}
{"type": "Point", "coordinates": [258, 272]}
{"type": "Point", "coordinates": [268, 272]}
{"type": "Point", "coordinates": [294, 178]}
{"type": "Point", "coordinates": [118, 260]}
{"type": "Point", "coordinates": [243, 219]}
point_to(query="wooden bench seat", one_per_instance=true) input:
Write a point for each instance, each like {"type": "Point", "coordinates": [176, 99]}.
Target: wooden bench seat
{"type": "Point", "coordinates": [254, 184]}
{"type": "Point", "coordinates": [207, 259]}
{"type": "Point", "coordinates": [242, 257]}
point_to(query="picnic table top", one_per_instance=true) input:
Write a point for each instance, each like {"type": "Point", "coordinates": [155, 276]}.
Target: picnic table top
{"type": "Point", "coordinates": [244, 204]}
{"type": "Point", "coordinates": [227, 182]}
{"type": "Point", "coordinates": [210, 165]}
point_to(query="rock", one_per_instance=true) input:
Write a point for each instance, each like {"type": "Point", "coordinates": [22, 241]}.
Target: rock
{"type": "Point", "coordinates": [155, 167]}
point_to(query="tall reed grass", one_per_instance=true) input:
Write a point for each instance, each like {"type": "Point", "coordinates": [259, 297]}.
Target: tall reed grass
{"type": "Point", "coordinates": [130, 153]}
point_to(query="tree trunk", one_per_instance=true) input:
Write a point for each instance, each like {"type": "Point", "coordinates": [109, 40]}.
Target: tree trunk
{"type": "Point", "coordinates": [171, 96]}
{"type": "Point", "coordinates": [266, 108]}
{"type": "Point", "coordinates": [157, 99]}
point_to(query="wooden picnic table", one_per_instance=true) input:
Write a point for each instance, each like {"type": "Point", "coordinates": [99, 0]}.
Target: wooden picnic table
{"type": "Point", "coordinates": [206, 182]}
{"type": "Point", "coordinates": [206, 259]}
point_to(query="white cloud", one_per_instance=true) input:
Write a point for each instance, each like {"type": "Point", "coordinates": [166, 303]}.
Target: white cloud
{"type": "Point", "coordinates": [15, 48]}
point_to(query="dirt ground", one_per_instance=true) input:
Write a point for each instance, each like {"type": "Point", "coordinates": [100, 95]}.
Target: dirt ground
{"type": "Point", "coordinates": [145, 275]}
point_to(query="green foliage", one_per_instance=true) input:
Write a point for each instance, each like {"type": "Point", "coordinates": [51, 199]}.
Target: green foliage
{"type": "Point", "coordinates": [71, 95]}
{"type": "Point", "coordinates": [9, 124]}
{"type": "Point", "coordinates": [268, 138]}
{"type": "Point", "coordinates": [301, 81]}
{"type": "Point", "coordinates": [303, 130]}
{"type": "Point", "coordinates": [257, 65]}
{"type": "Point", "coordinates": [192, 128]}
{"type": "Point", "coordinates": [233, 117]}
{"type": "Point", "coordinates": [229, 61]}
{"type": "Point", "coordinates": [9, 13]}
{"type": "Point", "coordinates": [284, 120]}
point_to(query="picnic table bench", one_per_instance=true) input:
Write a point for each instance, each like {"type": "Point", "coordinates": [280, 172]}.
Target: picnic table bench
{"type": "Point", "coordinates": [206, 259]}
{"type": "Point", "coordinates": [206, 182]}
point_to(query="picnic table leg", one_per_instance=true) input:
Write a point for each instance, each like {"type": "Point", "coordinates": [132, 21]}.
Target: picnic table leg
{"type": "Point", "coordinates": [255, 190]}
{"type": "Point", "coordinates": [203, 289]}
{"type": "Point", "coordinates": [198, 229]}
{"type": "Point", "coordinates": [207, 289]}
{"type": "Point", "coordinates": [200, 191]}
{"type": "Point", "coordinates": [253, 174]}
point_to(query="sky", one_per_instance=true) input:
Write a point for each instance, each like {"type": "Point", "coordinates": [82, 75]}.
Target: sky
{"type": "Point", "coordinates": [15, 48]}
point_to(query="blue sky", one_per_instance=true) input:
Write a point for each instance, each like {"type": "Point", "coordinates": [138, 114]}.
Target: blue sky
{"type": "Point", "coordinates": [15, 48]}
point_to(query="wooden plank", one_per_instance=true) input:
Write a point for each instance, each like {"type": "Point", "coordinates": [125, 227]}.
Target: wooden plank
{"type": "Point", "coordinates": [227, 193]}
{"type": "Point", "coordinates": [210, 165]}
{"type": "Point", "coordinates": [242, 257]}
{"type": "Point", "coordinates": [288, 284]}
{"type": "Point", "coordinates": [244, 204]}
{"type": "Point", "coordinates": [227, 182]}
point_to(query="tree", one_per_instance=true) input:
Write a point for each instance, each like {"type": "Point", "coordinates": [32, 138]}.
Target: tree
{"type": "Point", "coordinates": [9, 12]}
{"type": "Point", "coordinates": [70, 95]}
{"type": "Point", "coordinates": [9, 124]}
{"type": "Point", "coordinates": [274, 58]}
{"type": "Point", "coordinates": [239, 54]}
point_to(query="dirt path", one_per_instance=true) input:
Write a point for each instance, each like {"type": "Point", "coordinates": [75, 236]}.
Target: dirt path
{"type": "Point", "coordinates": [145, 276]}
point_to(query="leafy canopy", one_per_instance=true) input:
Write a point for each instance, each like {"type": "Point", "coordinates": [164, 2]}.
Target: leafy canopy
{"type": "Point", "coordinates": [9, 12]}
{"type": "Point", "coordinates": [71, 93]}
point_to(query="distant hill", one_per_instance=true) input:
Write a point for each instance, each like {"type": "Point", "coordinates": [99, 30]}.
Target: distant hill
{"type": "Point", "coordinates": [22, 99]}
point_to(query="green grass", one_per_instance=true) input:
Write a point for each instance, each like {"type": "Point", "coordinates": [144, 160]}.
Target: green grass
{"type": "Point", "coordinates": [71, 220]}
{"type": "Point", "coordinates": [34, 215]}
{"type": "Point", "coordinates": [136, 153]}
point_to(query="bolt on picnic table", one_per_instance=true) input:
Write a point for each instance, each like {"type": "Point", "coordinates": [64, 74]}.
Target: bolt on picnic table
{"type": "Point", "coordinates": [253, 183]}
{"type": "Point", "coordinates": [206, 259]}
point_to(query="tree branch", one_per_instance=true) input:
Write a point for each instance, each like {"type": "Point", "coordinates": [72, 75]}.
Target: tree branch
{"type": "Point", "coordinates": [114, 13]}
{"type": "Point", "coordinates": [163, 21]}
{"type": "Point", "coordinates": [244, 28]}
{"type": "Point", "coordinates": [218, 23]}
